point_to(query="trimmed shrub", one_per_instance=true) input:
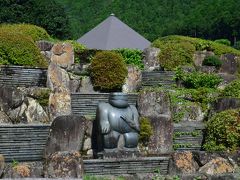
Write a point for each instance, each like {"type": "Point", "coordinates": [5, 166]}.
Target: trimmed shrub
{"type": "Point", "coordinates": [108, 71]}
{"type": "Point", "coordinates": [223, 41]}
{"type": "Point", "coordinates": [212, 61]}
{"type": "Point", "coordinates": [197, 79]}
{"type": "Point", "coordinates": [179, 50]}
{"type": "Point", "coordinates": [146, 130]}
{"type": "Point", "coordinates": [232, 89]}
{"type": "Point", "coordinates": [132, 56]}
{"type": "Point", "coordinates": [35, 32]}
{"type": "Point", "coordinates": [223, 131]}
{"type": "Point", "coordinates": [18, 49]}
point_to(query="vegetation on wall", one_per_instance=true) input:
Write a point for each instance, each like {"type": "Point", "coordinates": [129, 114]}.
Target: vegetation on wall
{"type": "Point", "coordinates": [35, 32]}
{"type": "Point", "coordinates": [223, 131]}
{"type": "Point", "coordinates": [146, 130]}
{"type": "Point", "coordinates": [108, 71]}
{"type": "Point", "coordinates": [212, 61]}
{"type": "Point", "coordinates": [232, 89]}
{"type": "Point", "coordinates": [18, 49]}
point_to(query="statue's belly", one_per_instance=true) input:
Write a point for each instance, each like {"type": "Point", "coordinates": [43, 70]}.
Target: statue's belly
{"type": "Point", "coordinates": [117, 123]}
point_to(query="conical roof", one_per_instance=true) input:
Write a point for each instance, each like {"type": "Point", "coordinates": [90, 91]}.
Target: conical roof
{"type": "Point", "coordinates": [112, 34]}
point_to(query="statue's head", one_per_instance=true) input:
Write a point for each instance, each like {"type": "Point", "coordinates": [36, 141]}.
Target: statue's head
{"type": "Point", "coordinates": [118, 99]}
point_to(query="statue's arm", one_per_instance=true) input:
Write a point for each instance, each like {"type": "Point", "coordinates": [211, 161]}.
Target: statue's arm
{"type": "Point", "coordinates": [102, 114]}
{"type": "Point", "coordinates": [135, 117]}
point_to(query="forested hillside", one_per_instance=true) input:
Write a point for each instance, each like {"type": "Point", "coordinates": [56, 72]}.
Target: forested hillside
{"type": "Point", "coordinates": [153, 18]}
{"type": "Point", "coordinates": [210, 19]}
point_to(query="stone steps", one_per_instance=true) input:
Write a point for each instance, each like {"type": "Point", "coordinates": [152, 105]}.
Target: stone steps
{"type": "Point", "coordinates": [126, 166]}
{"type": "Point", "coordinates": [23, 142]}
{"type": "Point", "coordinates": [23, 76]}
{"type": "Point", "coordinates": [86, 104]}
{"type": "Point", "coordinates": [157, 78]}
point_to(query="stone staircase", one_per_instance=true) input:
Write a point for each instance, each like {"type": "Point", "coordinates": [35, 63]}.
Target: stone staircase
{"type": "Point", "coordinates": [23, 142]}
{"type": "Point", "coordinates": [23, 76]}
{"type": "Point", "coordinates": [86, 104]}
{"type": "Point", "coordinates": [158, 79]}
{"type": "Point", "coordinates": [188, 136]}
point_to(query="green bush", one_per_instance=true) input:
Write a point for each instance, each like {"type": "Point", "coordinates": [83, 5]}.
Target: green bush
{"type": "Point", "coordinates": [146, 130]}
{"type": "Point", "coordinates": [179, 50]}
{"type": "Point", "coordinates": [237, 45]}
{"type": "Point", "coordinates": [212, 61]}
{"type": "Point", "coordinates": [197, 79]}
{"type": "Point", "coordinates": [232, 89]}
{"type": "Point", "coordinates": [108, 71]}
{"type": "Point", "coordinates": [223, 131]}
{"type": "Point", "coordinates": [35, 32]}
{"type": "Point", "coordinates": [18, 49]}
{"type": "Point", "coordinates": [132, 56]}
{"type": "Point", "coordinates": [223, 41]}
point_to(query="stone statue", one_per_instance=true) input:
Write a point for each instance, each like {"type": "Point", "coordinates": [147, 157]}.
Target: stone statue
{"type": "Point", "coordinates": [117, 118]}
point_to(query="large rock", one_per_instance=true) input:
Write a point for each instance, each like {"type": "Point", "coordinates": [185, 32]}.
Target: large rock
{"type": "Point", "coordinates": [199, 56]}
{"type": "Point", "coordinates": [4, 118]}
{"type": "Point", "coordinates": [2, 164]}
{"type": "Point", "coordinates": [63, 165]}
{"type": "Point", "coordinates": [35, 113]}
{"type": "Point", "coordinates": [66, 134]}
{"type": "Point", "coordinates": [150, 59]}
{"type": "Point", "coordinates": [183, 163]}
{"type": "Point", "coordinates": [225, 103]}
{"type": "Point", "coordinates": [86, 86]}
{"type": "Point", "coordinates": [44, 45]}
{"type": "Point", "coordinates": [58, 79]}
{"type": "Point", "coordinates": [10, 98]}
{"type": "Point", "coordinates": [156, 107]}
{"type": "Point", "coordinates": [230, 63]}
{"type": "Point", "coordinates": [24, 170]}
{"type": "Point", "coordinates": [133, 81]}
{"type": "Point", "coordinates": [63, 54]}
{"type": "Point", "coordinates": [217, 166]}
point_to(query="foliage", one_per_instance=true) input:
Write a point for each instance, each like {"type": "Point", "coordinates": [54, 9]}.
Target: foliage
{"type": "Point", "coordinates": [132, 56]}
{"type": "Point", "coordinates": [18, 49]}
{"type": "Point", "coordinates": [237, 45]}
{"type": "Point", "coordinates": [232, 89]}
{"type": "Point", "coordinates": [48, 14]}
{"type": "Point", "coordinates": [197, 79]}
{"type": "Point", "coordinates": [42, 96]}
{"type": "Point", "coordinates": [223, 131]}
{"type": "Point", "coordinates": [179, 50]}
{"type": "Point", "coordinates": [146, 130]}
{"type": "Point", "coordinates": [35, 32]}
{"type": "Point", "coordinates": [108, 71]}
{"type": "Point", "coordinates": [212, 61]}
{"type": "Point", "coordinates": [223, 41]}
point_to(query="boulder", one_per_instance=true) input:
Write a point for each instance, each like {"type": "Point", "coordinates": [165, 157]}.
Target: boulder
{"type": "Point", "coordinates": [2, 164]}
{"type": "Point", "coordinates": [86, 86]}
{"type": "Point", "coordinates": [156, 107]}
{"type": "Point", "coordinates": [18, 115]}
{"type": "Point", "coordinates": [57, 79]}
{"type": "Point", "coordinates": [59, 104]}
{"type": "Point", "coordinates": [4, 118]}
{"type": "Point", "coordinates": [63, 165]}
{"type": "Point", "coordinates": [222, 104]}
{"type": "Point", "coordinates": [63, 54]}
{"type": "Point", "coordinates": [66, 134]}
{"type": "Point", "coordinates": [44, 45]}
{"type": "Point", "coordinates": [150, 59]}
{"type": "Point", "coordinates": [230, 63]}
{"type": "Point", "coordinates": [218, 165]}
{"type": "Point", "coordinates": [24, 170]}
{"type": "Point", "coordinates": [133, 81]}
{"type": "Point", "coordinates": [10, 98]}
{"type": "Point", "coordinates": [35, 113]}
{"type": "Point", "coordinates": [75, 82]}
{"type": "Point", "coordinates": [183, 163]}
{"type": "Point", "coordinates": [199, 56]}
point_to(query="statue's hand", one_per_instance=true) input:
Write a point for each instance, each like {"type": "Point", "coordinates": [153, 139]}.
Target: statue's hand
{"type": "Point", "coordinates": [105, 127]}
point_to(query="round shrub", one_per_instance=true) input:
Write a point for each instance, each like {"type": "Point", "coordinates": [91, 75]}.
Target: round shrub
{"type": "Point", "coordinates": [146, 130]}
{"type": "Point", "coordinates": [223, 41]}
{"type": "Point", "coordinates": [232, 89]}
{"type": "Point", "coordinates": [212, 61]}
{"type": "Point", "coordinates": [223, 131]}
{"type": "Point", "coordinates": [35, 32]}
{"type": "Point", "coordinates": [108, 71]}
{"type": "Point", "coordinates": [18, 49]}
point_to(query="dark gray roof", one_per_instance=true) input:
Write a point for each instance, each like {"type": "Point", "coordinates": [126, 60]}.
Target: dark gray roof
{"type": "Point", "coordinates": [112, 34]}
